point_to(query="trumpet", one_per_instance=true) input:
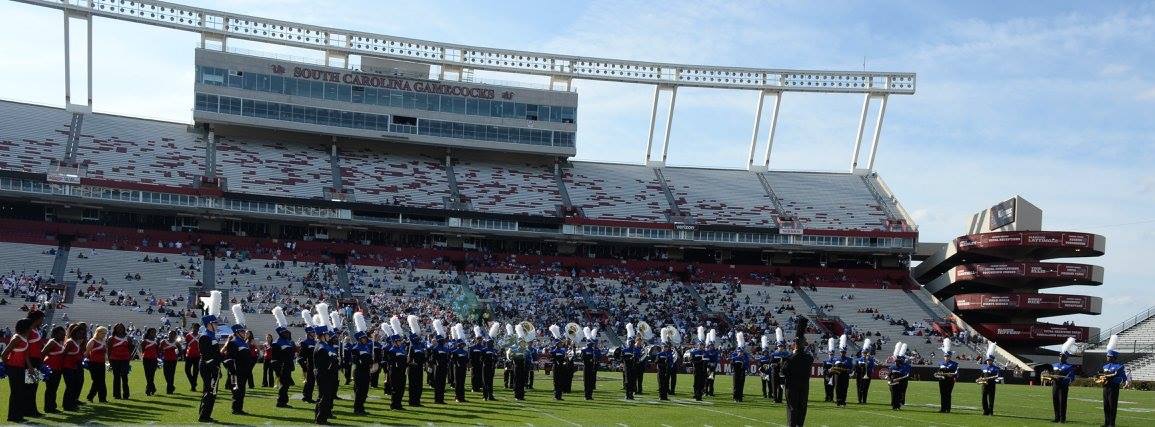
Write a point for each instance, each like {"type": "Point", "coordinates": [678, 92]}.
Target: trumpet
{"type": "Point", "coordinates": [896, 381]}
{"type": "Point", "coordinates": [1102, 379]}
{"type": "Point", "coordinates": [838, 369]}
{"type": "Point", "coordinates": [945, 375]}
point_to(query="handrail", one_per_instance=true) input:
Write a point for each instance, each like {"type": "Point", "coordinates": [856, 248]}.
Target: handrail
{"type": "Point", "coordinates": [1120, 327]}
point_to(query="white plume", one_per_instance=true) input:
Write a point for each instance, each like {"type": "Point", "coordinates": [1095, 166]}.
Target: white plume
{"type": "Point", "coordinates": [711, 337]}
{"type": "Point", "coordinates": [386, 329]}
{"type": "Point", "coordinates": [702, 334]}
{"type": "Point", "coordinates": [323, 311]}
{"type": "Point", "coordinates": [307, 317]}
{"type": "Point", "coordinates": [866, 345]}
{"type": "Point", "coordinates": [586, 332]}
{"type": "Point", "coordinates": [395, 323]}
{"type": "Point", "coordinates": [439, 327]}
{"type": "Point", "coordinates": [508, 331]}
{"type": "Point", "coordinates": [842, 344]}
{"type": "Point", "coordinates": [279, 316]}
{"type": "Point", "coordinates": [594, 334]}
{"type": "Point", "coordinates": [213, 303]}
{"type": "Point", "coordinates": [359, 322]}
{"type": "Point", "coordinates": [992, 346]}
{"type": "Point", "coordinates": [897, 348]}
{"type": "Point", "coordinates": [1113, 343]}
{"type": "Point", "coordinates": [494, 330]}
{"type": "Point", "coordinates": [477, 331]}
{"type": "Point", "coordinates": [740, 338]}
{"type": "Point", "coordinates": [778, 335]}
{"type": "Point", "coordinates": [319, 321]}
{"type": "Point", "coordinates": [830, 345]}
{"type": "Point", "coordinates": [945, 345]}
{"type": "Point", "coordinates": [765, 342]}
{"type": "Point", "coordinates": [630, 331]}
{"type": "Point", "coordinates": [1067, 345]}
{"type": "Point", "coordinates": [520, 331]}
{"type": "Point", "coordinates": [414, 324]}
{"type": "Point", "coordinates": [336, 321]}
{"type": "Point", "coordinates": [903, 351]}
{"type": "Point", "coordinates": [555, 330]}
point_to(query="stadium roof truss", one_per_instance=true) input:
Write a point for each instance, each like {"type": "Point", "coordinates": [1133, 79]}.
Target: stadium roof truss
{"type": "Point", "coordinates": [218, 27]}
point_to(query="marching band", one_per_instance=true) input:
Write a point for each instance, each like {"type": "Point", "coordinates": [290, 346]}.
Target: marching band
{"type": "Point", "coordinates": [400, 354]}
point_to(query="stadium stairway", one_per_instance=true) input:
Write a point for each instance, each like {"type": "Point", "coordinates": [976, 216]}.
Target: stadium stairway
{"type": "Point", "coordinates": [773, 197]}
{"type": "Point", "coordinates": [702, 306]}
{"type": "Point", "coordinates": [454, 190]}
{"type": "Point", "coordinates": [676, 214]}
{"type": "Point", "coordinates": [73, 137]}
{"type": "Point", "coordinates": [335, 166]}
{"type": "Point", "coordinates": [559, 177]}
{"type": "Point", "coordinates": [814, 308]}
{"type": "Point", "coordinates": [931, 313]}
{"type": "Point", "coordinates": [60, 263]}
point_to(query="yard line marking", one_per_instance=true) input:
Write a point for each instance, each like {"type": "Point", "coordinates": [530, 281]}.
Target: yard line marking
{"type": "Point", "coordinates": [549, 415]}
{"type": "Point", "coordinates": [734, 415]}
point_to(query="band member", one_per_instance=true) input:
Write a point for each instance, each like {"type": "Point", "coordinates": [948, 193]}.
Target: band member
{"type": "Point", "coordinates": [842, 367]}
{"type": "Point", "coordinates": [284, 351]}
{"type": "Point", "coordinates": [417, 354]}
{"type": "Point", "coordinates": [827, 374]}
{"type": "Point", "coordinates": [665, 362]}
{"type": "Point", "coordinates": [210, 356]}
{"type": "Point", "coordinates": [677, 363]}
{"type": "Point", "coordinates": [460, 359]}
{"type": "Point", "coordinates": [697, 358]}
{"type": "Point", "coordinates": [73, 366]}
{"type": "Point", "coordinates": [149, 357]}
{"type": "Point", "coordinates": [398, 362]}
{"type": "Point", "coordinates": [326, 364]}
{"type": "Point", "coordinates": [739, 360]}
{"type": "Point", "coordinates": [442, 365]}
{"type": "Point", "coordinates": [521, 356]}
{"type": "Point", "coordinates": [305, 356]}
{"type": "Point", "coordinates": [796, 376]}
{"type": "Point", "coordinates": [863, 367]}
{"type": "Point", "coordinates": [1113, 376]}
{"type": "Point", "coordinates": [15, 356]}
{"type": "Point", "coordinates": [947, 374]}
{"type": "Point", "coordinates": [169, 352]}
{"type": "Point", "coordinates": [192, 355]}
{"type": "Point", "coordinates": [899, 376]}
{"type": "Point", "coordinates": [54, 362]}
{"type": "Point", "coordinates": [96, 353]}
{"type": "Point", "coordinates": [591, 355]}
{"type": "Point", "coordinates": [239, 360]}
{"type": "Point", "coordinates": [558, 355]}
{"type": "Point", "coordinates": [1062, 375]}
{"type": "Point", "coordinates": [120, 351]}
{"type": "Point", "coordinates": [362, 356]}
{"type": "Point", "coordinates": [713, 357]}
{"type": "Point", "coordinates": [489, 358]}
{"type": "Point", "coordinates": [988, 378]}
{"type": "Point", "coordinates": [776, 359]}
{"type": "Point", "coordinates": [476, 351]}
{"type": "Point", "coordinates": [629, 357]}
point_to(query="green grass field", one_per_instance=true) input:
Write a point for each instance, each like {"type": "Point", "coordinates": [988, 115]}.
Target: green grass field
{"type": "Point", "coordinates": [1016, 406]}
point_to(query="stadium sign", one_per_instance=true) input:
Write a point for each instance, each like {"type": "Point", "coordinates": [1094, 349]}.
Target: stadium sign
{"type": "Point", "coordinates": [384, 82]}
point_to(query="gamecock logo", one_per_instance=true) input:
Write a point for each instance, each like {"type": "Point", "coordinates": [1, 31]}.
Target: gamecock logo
{"type": "Point", "coordinates": [278, 69]}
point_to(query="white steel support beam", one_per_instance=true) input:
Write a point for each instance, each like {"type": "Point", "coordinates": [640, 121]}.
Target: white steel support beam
{"type": "Point", "coordinates": [68, 15]}
{"type": "Point", "coordinates": [669, 123]}
{"type": "Point", "coordinates": [757, 124]}
{"type": "Point", "coordinates": [877, 132]}
{"type": "Point", "coordinates": [773, 128]}
{"type": "Point", "coordinates": [67, 61]}
{"type": "Point", "coordinates": [653, 119]}
{"type": "Point", "coordinates": [861, 129]}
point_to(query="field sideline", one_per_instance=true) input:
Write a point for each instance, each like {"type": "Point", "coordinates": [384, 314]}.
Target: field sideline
{"type": "Point", "coordinates": [1016, 406]}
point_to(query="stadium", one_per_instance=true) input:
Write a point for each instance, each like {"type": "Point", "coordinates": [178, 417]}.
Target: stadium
{"type": "Point", "coordinates": [386, 182]}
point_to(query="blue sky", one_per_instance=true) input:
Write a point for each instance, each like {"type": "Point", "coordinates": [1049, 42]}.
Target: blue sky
{"type": "Point", "coordinates": [1054, 101]}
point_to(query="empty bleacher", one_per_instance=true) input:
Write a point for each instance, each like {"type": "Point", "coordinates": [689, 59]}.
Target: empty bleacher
{"type": "Point", "coordinates": [716, 196]}
{"type": "Point", "coordinates": [834, 201]}
{"type": "Point", "coordinates": [394, 177]}
{"type": "Point", "coordinates": [31, 136]}
{"type": "Point", "coordinates": [274, 168]}
{"type": "Point", "coordinates": [615, 192]}
{"type": "Point", "coordinates": [141, 151]}
{"type": "Point", "coordinates": [508, 187]}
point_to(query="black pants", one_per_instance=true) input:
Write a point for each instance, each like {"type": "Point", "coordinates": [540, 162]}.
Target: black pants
{"type": "Point", "coordinates": [476, 370]}
{"type": "Point", "coordinates": [558, 381]}
{"type": "Point", "coordinates": [1110, 403]}
{"type": "Point", "coordinates": [589, 379]}
{"type": "Point", "coordinates": [989, 398]}
{"type": "Point", "coordinates": [796, 404]}
{"type": "Point", "coordinates": [898, 395]}
{"type": "Point", "coordinates": [98, 388]}
{"type": "Point", "coordinates": [663, 383]}
{"type": "Point", "coordinates": [776, 387]}
{"type": "Point", "coordinates": [739, 382]}
{"type": "Point", "coordinates": [459, 383]}
{"type": "Point", "coordinates": [828, 387]}
{"type": "Point", "coordinates": [862, 386]}
{"type": "Point", "coordinates": [489, 370]}
{"type": "Point", "coordinates": [841, 388]}
{"type": "Point", "coordinates": [149, 376]}
{"type": "Point", "coordinates": [440, 374]}
{"type": "Point", "coordinates": [284, 381]}
{"type": "Point", "coordinates": [243, 377]}
{"type": "Point", "coordinates": [639, 373]}
{"type": "Point", "coordinates": [945, 392]}
{"type": "Point", "coordinates": [326, 382]}
{"type": "Point", "coordinates": [192, 368]}
{"type": "Point", "coordinates": [396, 386]}
{"type": "Point", "coordinates": [210, 374]}
{"type": "Point", "coordinates": [169, 376]}
{"type": "Point", "coordinates": [51, 385]}
{"type": "Point", "coordinates": [73, 383]}
{"type": "Point", "coordinates": [630, 371]}
{"type": "Point", "coordinates": [415, 385]}
{"type": "Point", "coordinates": [360, 388]}
{"type": "Point", "coordinates": [119, 378]}
{"type": "Point", "coordinates": [520, 378]}
{"type": "Point", "coordinates": [1059, 401]}
{"type": "Point", "coordinates": [674, 378]}
{"type": "Point", "coordinates": [268, 376]}
{"type": "Point", "coordinates": [18, 388]}
{"type": "Point", "coordinates": [699, 382]}
{"type": "Point", "coordinates": [310, 383]}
